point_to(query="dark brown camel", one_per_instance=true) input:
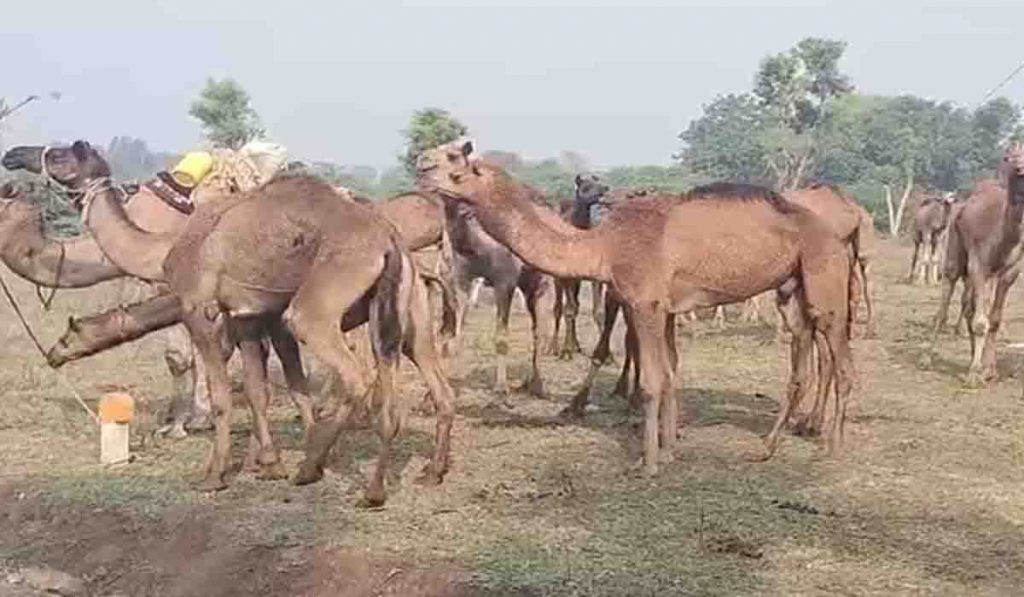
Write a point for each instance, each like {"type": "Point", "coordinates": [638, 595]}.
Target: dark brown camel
{"type": "Point", "coordinates": [721, 243]}
{"type": "Point", "coordinates": [291, 251]}
{"type": "Point", "coordinates": [475, 254]}
{"type": "Point", "coordinates": [931, 219]}
{"type": "Point", "coordinates": [984, 248]}
{"type": "Point", "coordinates": [588, 193]}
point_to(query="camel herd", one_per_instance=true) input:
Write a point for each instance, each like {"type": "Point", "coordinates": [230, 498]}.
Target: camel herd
{"type": "Point", "coordinates": [295, 264]}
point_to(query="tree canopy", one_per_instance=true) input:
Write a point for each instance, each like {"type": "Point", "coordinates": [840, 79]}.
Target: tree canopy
{"type": "Point", "coordinates": [226, 114]}
{"type": "Point", "coordinates": [428, 128]}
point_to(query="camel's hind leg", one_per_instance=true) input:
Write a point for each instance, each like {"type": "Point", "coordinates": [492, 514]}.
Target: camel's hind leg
{"type": "Point", "coordinates": [813, 423]}
{"type": "Point", "coordinates": [205, 324]}
{"type": "Point", "coordinates": [557, 311]}
{"type": "Point", "coordinates": [597, 302]}
{"type": "Point", "coordinates": [978, 321]}
{"type": "Point", "coordinates": [918, 241]}
{"type": "Point", "coordinates": [537, 291]}
{"type": "Point", "coordinates": [419, 347]}
{"type": "Point", "coordinates": [571, 345]}
{"type": "Point", "coordinates": [601, 354]}
{"type": "Point", "coordinates": [988, 357]}
{"type": "Point", "coordinates": [254, 361]}
{"type": "Point", "coordinates": [503, 306]}
{"type": "Point", "coordinates": [287, 350]}
{"type": "Point", "coordinates": [314, 318]}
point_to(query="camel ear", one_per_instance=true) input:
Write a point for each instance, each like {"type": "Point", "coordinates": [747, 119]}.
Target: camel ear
{"type": "Point", "coordinates": [80, 149]}
{"type": "Point", "coordinates": [467, 148]}
{"type": "Point", "coordinates": [73, 324]}
{"type": "Point", "coordinates": [579, 180]}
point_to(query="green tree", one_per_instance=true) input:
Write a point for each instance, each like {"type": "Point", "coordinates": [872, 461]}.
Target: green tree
{"type": "Point", "coordinates": [428, 128]}
{"type": "Point", "coordinates": [227, 117]}
{"type": "Point", "coordinates": [725, 142]}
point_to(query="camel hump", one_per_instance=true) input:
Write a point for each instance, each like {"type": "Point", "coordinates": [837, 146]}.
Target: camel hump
{"type": "Point", "coordinates": [731, 191]}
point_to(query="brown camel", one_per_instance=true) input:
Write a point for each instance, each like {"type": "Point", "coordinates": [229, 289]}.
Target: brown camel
{"type": "Point", "coordinates": [984, 248]}
{"type": "Point", "coordinates": [290, 251]}
{"type": "Point", "coordinates": [720, 243]}
{"type": "Point", "coordinates": [931, 219]}
{"type": "Point", "coordinates": [475, 254]}
{"type": "Point", "coordinates": [589, 192]}
{"type": "Point", "coordinates": [855, 227]}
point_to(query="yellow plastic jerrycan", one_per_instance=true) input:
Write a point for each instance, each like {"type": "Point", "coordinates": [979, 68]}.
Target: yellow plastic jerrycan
{"type": "Point", "coordinates": [192, 168]}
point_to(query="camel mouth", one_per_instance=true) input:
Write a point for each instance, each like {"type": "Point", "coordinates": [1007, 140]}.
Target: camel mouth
{"type": "Point", "coordinates": [23, 158]}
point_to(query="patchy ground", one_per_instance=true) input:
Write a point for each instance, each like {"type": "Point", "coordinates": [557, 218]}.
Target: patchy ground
{"type": "Point", "coordinates": [928, 499]}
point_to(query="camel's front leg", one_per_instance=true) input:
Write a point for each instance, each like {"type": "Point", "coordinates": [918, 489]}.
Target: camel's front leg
{"type": "Point", "coordinates": [503, 306]}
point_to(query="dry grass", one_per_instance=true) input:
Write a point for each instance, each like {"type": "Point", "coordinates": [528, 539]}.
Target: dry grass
{"type": "Point", "coordinates": [928, 498]}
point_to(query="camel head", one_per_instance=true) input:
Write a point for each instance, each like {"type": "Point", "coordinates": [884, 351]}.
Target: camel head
{"type": "Point", "coordinates": [1013, 164]}
{"type": "Point", "coordinates": [453, 172]}
{"type": "Point", "coordinates": [72, 167]}
{"type": "Point", "coordinates": [589, 189]}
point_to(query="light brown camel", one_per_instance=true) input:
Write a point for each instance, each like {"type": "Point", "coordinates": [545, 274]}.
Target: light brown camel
{"type": "Point", "coordinates": [149, 213]}
{"type": "Point", "coordinates": [475, 254]}
{"type": "Point", "coordinates": [588, 193]}
{"type": "Point", "coordinates": [984, 248]}
{"type": "Point", "coordinates": [720, 243]}
{"type": "Point", "coordinates": [931, 219]}
{"type": "Point", "coordinates": [855, 227]}
{"type": "Point", "coordinates": [290, 250]}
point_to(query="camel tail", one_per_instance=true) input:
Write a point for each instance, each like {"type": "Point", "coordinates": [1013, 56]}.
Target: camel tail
{"type": "Point", "coordinates": [449, 305]}
{"type": "Point", "coordinates": [385, 317]}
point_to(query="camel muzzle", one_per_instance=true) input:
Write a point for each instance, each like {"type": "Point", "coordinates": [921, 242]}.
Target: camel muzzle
{"type": "Point", "coordinates": [23, 158]}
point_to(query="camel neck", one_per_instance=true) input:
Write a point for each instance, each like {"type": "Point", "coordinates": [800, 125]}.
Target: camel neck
{"type": "Point", "coordinates": [541, 238]}
{"type": "Point", "coordinates": [138, 252]}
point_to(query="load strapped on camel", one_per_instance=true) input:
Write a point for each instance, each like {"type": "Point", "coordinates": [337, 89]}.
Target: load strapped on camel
{"type": "Point", "coordinates": [217, 172]}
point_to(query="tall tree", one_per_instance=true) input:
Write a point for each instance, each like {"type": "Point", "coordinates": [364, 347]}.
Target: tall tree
{"type": "Point", "coordinates": [227, 117]}
{"type": "Point", "coordinates": [429, 128]}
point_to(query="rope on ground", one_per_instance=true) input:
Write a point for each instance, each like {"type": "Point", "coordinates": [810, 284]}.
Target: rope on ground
{"type": "Point", "coordinates": [42, 351]}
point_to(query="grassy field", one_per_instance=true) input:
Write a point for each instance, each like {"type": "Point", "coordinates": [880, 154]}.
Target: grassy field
{"type": "Point", "coordinates": [927, 499]}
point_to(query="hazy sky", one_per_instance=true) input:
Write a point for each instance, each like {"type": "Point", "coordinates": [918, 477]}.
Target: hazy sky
{"type": "Point", "coordinates": [336, 80]}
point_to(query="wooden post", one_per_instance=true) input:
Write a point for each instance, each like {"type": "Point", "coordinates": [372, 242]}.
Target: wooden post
{"type": "Point", "coordinates": [117, 410]}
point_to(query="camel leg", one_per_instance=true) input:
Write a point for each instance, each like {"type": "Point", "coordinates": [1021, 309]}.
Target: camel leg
{"type": "Point", "coordinates": [933, 261]}
{"type": "Point", "coordinates": [206, 326]}
{"type": "Point", "coordinates": [287, 350]}
{"type": "Point", "coordinates": [314, 318]}
{"type": "Point", "coordinates": [537, 292]}
{"type": "Point", "coordinates": [978, 323]}
{"type": "Point", "coordinates": [419, 347]}
{"type": "Point", "coordinates": [669, 413]}
{"type": "Point", "coordinates": [791, 303]}
{"type": "Point", "coordinates": [720, 317]}
{"type": "Point", "coordinates": [503, 306]}
{"type": "Point", "coordinates": [812, 424]}
{"type": "Point", "coordinates": [557, 310]}
{"type": "Point", "coordinates": [389, 417]}
{"type": "Point", "coordinates": [179, 355]}
{"type": "Point", "coordinates": [571, 346]}
{"type": "Point", "coordinates": [913, 262]}
{"type": "Point", "coordinates": [254, 361]}
{"type": "Point", "coordinates": [602, 351]}
{"type": "Point", "coordinates": [965, 297]}
{"type": "Point", "coordinates": [995, 318]}
{"type": "Point", "coordinates": [597, 302]}
{"type": "Point", "coordinates": [654, 380]}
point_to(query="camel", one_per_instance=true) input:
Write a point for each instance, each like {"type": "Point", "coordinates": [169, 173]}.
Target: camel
{"type": "Point", "coordinates": [419, 217]}
{"type": "Point", "coordinates": [855, 227]}
{"type": "Point", "coordinates": [984, 247]}
{"type": "Point", "coordinates": [588, 192]}
{"type": "Point", "coordinates": [931, 219]}
{"type": "Point", "coordinates": [291, 251]}
{"type": "Point", "coordinates": [718, 243]}
{"type": "Point", "coordinates": [475, 254]}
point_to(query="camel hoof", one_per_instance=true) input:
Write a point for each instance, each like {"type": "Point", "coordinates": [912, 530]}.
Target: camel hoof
{"type": "Point", "coordinates": [666, 457]}
{"type": "Point", "coordinates": [757, 457]}
{"type": "Point", "coordinates": [644, 469]}
{"type": "Point", "coordinates": [974, 381]}
{"type": "Point", "coordinates": [272, 472]}
{"type": "Point", "coordinates": [534, 387]}
{"type": "Point", "coordinates": [203, 422]}
{"type": "Point", "coordinates": [211, 484]}
{"type": "Point", "coordinates": [805, 428]}
{"type": "Point", "coordinates": [571, 413]}
{"type": "Point", "coordinates": [428, 479]}
{"type": "Point", "coordinates": [308, 473]}
{"type": "Point", "coordinates": [372, 501]}
{"type": "Point", "coordinates": [926, 360]}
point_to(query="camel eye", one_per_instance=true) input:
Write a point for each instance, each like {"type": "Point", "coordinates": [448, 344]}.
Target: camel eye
{"type": "Point", "coordinates": [456, 177]}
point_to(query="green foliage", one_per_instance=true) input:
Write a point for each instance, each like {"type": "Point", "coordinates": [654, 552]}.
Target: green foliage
{"type": "Point", "coordinates": [59, 217]}
{"type": "Point", "coordinates": [429, 128]}
{"type": "Point", "coordinates": [725, 142]}
{"type": "Point", "coordinates": [227, 118]}
{"type": "Point", "coordinates": [673, 179]}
